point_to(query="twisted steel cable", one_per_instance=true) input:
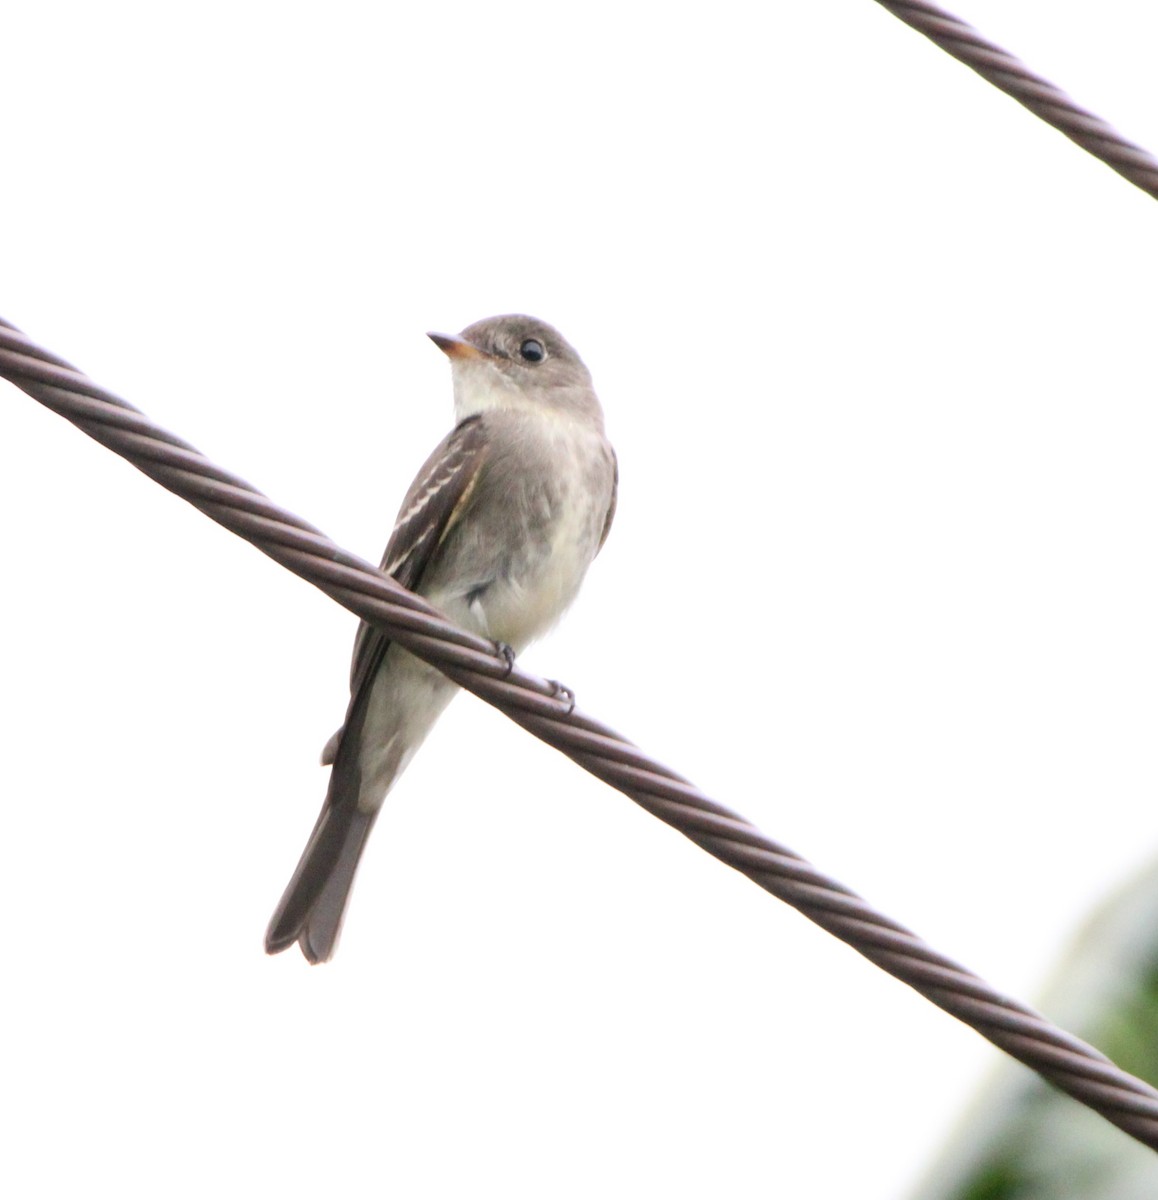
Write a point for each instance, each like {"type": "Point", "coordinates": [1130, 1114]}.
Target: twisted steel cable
{"type": "Point", "coordinates": [1041, 97]}
{"type": "Point", "coordinates": [476, 665]}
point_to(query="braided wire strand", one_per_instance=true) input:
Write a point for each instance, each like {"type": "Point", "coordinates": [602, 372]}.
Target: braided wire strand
{"type": "Point", "coordinates": [1010, 75]}
{"type": "Point", "coordinates": [533, 703]}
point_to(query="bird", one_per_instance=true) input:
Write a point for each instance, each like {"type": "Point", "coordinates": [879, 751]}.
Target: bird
{"type": "Point", "coordinates": [497, 532]}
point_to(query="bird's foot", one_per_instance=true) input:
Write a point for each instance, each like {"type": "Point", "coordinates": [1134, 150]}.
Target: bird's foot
{"type": "Point", "coordinates": [562, 693]}
{"type": "Point", "coordinates": [507, 654]}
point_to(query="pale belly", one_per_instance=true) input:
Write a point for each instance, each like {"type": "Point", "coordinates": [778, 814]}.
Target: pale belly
{"type": "Point", "coordinates": [543, 548]}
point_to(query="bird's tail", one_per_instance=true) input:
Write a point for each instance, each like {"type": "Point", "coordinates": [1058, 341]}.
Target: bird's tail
{"type": "Point", "coordinates": [390, 713]}
{"type": "Point", "coordinates": [310, 912]}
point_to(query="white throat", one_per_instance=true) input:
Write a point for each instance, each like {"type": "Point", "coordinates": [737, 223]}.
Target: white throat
{"type": "Point", "coordinates": [480, 387]}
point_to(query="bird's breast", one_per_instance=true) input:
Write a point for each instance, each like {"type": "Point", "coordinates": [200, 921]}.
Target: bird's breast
{"type": "Point", "coordinates": [523, 552]}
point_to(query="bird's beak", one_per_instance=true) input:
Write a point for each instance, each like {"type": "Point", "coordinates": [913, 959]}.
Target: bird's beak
{"type": "Point", "coordinates": [456, 347]}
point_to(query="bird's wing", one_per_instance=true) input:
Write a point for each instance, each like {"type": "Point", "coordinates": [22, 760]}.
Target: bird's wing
{"type": "Point", "coordinates": [433, 505]}
{"type": "Point", "coordinates": [311, 909]}
{"type": "Point", "coordinates": [614, 499]}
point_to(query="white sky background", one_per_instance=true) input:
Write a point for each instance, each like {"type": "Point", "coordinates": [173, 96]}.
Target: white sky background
{"type": "Point", "coordinates": [876, 350]}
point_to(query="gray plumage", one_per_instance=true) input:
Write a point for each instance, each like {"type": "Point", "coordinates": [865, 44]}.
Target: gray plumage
{"type": "Point", "coordinates": [497, 532]}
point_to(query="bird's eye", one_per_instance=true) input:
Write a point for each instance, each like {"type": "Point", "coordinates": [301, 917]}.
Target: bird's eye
{"type": "Point", "coordinates": [532, 351]}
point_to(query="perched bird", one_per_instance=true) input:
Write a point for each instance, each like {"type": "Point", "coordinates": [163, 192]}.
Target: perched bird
{"type": "Point", "coordinates": [497, 532]}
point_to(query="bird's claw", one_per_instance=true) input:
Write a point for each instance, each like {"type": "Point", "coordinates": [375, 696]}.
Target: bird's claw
{"type": "Point", "coordinates": [507, 654]}
{"type": "Point", "coordinates": [561, 692]}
